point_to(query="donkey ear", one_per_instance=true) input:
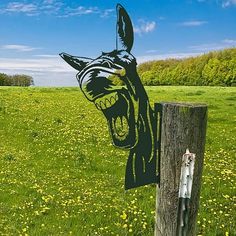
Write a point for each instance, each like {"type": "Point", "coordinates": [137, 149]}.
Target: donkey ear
{"type": "Point", "coordinates": [125, 35]}
{"type": "Point", "coordinates": [77, 63]}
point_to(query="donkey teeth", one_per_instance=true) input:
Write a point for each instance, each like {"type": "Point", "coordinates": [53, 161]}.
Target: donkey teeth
{"type": "Point", "coordinates": [106, 101]}
{"type": "Point", "coordinates": [102, 105]}
{"type": "Point", "coordinates": [112, 101]}
{"type": "Point", "coordinates": [98, 106]}
{"type": "Point", "coordinates": [116, 97]}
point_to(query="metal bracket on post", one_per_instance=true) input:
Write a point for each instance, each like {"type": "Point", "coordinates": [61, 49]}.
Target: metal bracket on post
{"type": "Point", "coordinates": [185, 189]}
{"type": "Point", "coordinates": [158, 118]}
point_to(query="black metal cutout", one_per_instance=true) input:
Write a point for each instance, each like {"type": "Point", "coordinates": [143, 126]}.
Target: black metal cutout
{"type": "Point", "coordinates": [158, 113]}
{"type": "Point", "coordinates": [131, 120]}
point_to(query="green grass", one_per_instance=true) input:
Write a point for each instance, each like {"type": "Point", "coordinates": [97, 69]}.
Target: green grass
{"type": "Point", "coordinates": [60, 174]}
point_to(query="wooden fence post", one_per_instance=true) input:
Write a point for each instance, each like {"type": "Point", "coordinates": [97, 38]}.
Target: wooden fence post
{"type": "Point", "coordinates": [183, 127]}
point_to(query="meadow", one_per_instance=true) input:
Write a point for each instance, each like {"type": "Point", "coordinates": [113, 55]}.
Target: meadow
{"type": "Point", "coordinates": [60, 174]}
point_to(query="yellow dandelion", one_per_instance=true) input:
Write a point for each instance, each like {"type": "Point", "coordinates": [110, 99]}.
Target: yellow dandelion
{"type": "Point", "coordinates": [123, 216]}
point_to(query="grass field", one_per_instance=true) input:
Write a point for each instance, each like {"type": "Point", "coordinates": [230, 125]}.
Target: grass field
{"type": "Point", "coordinates": [60, 174]}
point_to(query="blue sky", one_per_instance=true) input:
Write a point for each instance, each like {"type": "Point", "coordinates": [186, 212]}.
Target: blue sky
{"type": "Point", "coordinates": [32, 33]}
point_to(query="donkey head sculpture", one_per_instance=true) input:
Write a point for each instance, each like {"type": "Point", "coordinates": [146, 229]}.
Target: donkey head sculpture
{"type": "Point", "coordinates": [126, 108]}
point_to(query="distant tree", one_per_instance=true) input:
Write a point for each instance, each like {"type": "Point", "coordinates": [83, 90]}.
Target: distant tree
{"type": "Point", "coordinates": [16, 80]}
{"type": "Point", "coordinates": [3, 79]}
{"type": "Point", "coordinates": [22, 80]}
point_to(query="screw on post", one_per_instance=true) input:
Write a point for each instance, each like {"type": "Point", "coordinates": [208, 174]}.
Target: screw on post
{"type": "Point", "coordinates": [185, 189]}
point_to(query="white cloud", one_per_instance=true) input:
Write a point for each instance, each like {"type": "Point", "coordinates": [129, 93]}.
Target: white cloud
{"type": "Point", "coordinates": [52, 8]}
{"type": "Point", "coordinates": [223, 3]}
{"type": "Point", "coordinates": [145, 27]}
{"type": "Point", "coordinates": [20, 7]}
{"type": "Point", "coordinates": [55, 64]}
{"type": "Point", "coordinates": [229, 41]}
{"type": "Point", "coordinates": [48, 1]}
{"type": "Point", "coordinates": [80, 10]}
{"type": "Point", "coordinates": [141, 59]}
{"type": "Point", "coordinates": [28, 9]}
{"type": "Point", "coordinates": [106, 12]}
{"type": "Point", "coordinates": [228, 3]}
{"type": "Point", "coordinates": [226, 43]}
{"type": "Point", "coordinates": [193, 23]}
{"type": "Point", "coordinates": [45, 71]}
{"type": "Point", "coordinates": [206, 47]}
{"type": "Point", "coordinates": [195, 50]}
{"type": "Point", "coordinates": [47, 55]}
{"type": "Point", "coordinates": [17, 47]}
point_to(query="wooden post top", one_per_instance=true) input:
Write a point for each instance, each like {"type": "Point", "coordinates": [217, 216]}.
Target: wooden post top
{"type": "Point", "coordinates": [183, 104]}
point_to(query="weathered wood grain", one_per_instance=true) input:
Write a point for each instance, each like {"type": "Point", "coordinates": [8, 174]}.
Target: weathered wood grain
{"type": "Point", "coordinates": [183, 126]}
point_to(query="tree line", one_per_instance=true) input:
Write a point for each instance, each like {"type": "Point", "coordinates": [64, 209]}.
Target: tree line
{"type": "Point", "coordinates": [212, 69]}
{"type": "Point", "coordinates": [16, 80]}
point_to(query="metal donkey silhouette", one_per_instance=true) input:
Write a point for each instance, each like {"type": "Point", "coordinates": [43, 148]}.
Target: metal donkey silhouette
{"type": "Point", "coordinates": [131, 120]}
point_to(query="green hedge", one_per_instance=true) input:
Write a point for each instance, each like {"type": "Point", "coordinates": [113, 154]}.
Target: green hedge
{"type": "Point", "coordinates": [212, 69]}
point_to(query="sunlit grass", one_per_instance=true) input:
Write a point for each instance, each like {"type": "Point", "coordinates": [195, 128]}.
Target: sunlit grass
{"type": "Point", "coordinates": [60, 174]}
